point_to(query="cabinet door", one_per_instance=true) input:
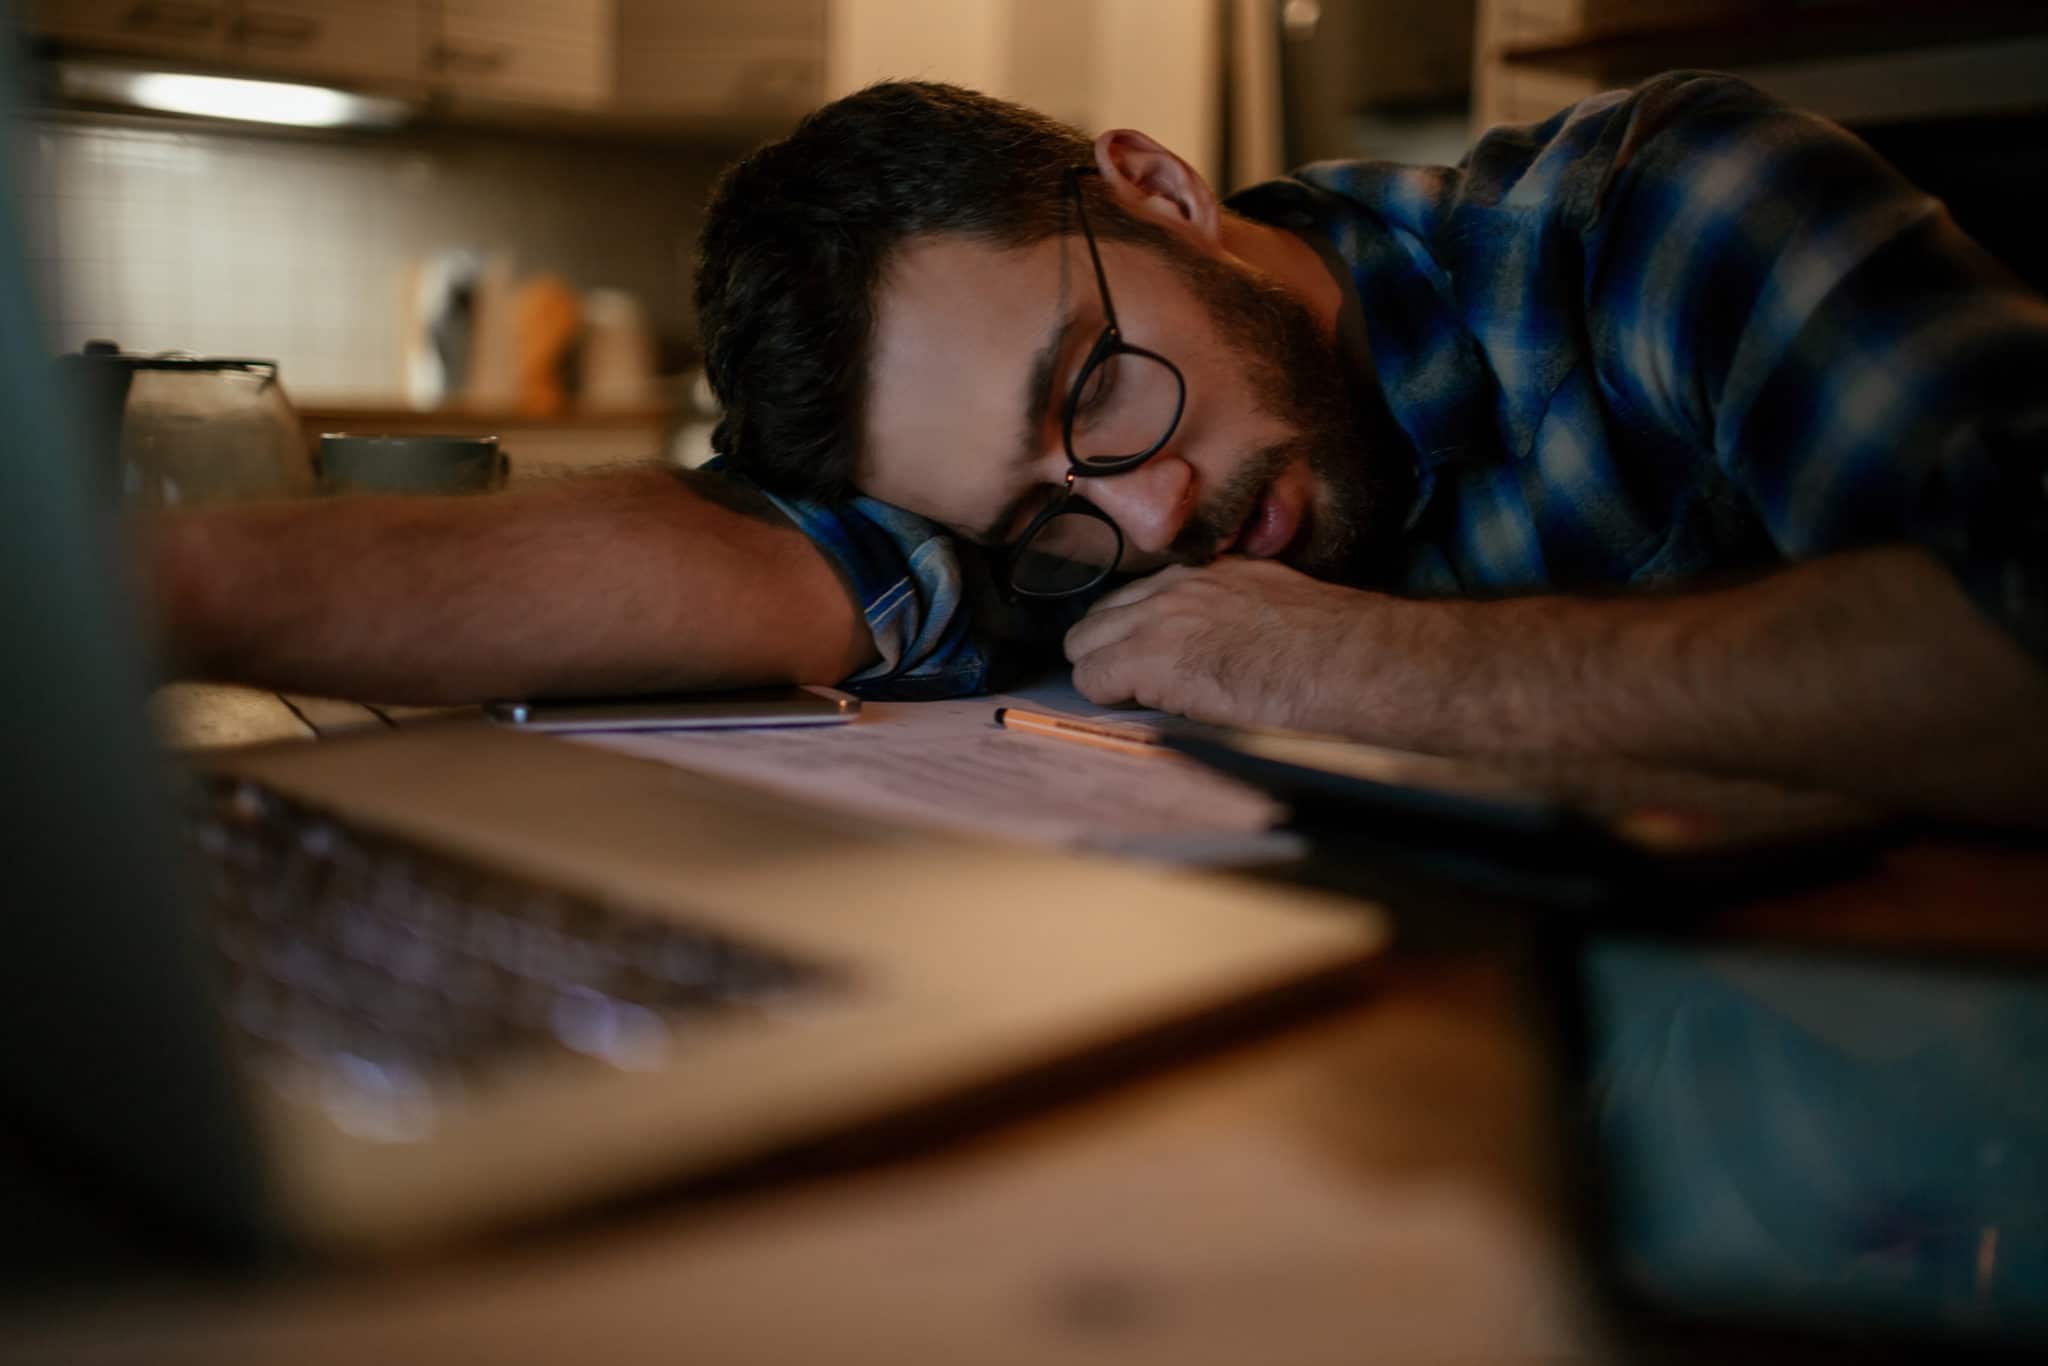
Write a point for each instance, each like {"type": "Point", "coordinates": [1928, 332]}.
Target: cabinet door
{"type": "Point", "coordinates": [375, 42]}
{"type": "Point", "coordinates": [715, 59]}
{"type": "Point", "coordinates": [531, 51]}
{"type": "Point", "coordinates": [189, 29]}
{"type": "Point", "coordinates": [1536, 21]}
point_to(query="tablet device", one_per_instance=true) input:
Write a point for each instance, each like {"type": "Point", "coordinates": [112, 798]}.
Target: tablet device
{"type": "Point", "coordinates": [1797, 1151]}
{"type": "Point", "coordinates": [1580, 825]}
{"type": "Point", "coordinates": [790, 706]}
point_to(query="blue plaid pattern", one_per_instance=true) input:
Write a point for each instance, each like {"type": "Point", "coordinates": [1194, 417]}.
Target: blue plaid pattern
{"type": "Point", "coordinates": [910, 579]}
{"type": "Point", "coordinates": [1668, 333]}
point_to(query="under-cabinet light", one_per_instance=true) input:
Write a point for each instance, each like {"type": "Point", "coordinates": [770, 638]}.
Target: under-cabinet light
{"type": "Point", "coordinates": [227, 97]}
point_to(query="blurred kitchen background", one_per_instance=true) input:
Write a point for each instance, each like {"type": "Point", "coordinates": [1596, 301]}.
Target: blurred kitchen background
{"type": "Point", "coordinates": [495, 233]}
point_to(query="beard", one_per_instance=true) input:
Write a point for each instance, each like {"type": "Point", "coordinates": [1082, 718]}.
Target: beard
{"type": "Point", "coordinates": [1362, 486]}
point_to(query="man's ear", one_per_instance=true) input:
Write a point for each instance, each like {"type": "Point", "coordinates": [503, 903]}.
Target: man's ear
{"type": "Point", "coordinates": [1151, 182]}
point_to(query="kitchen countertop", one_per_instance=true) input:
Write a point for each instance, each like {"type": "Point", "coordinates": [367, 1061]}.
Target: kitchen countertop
{"type": "Point", "coordinates": [393, 412]}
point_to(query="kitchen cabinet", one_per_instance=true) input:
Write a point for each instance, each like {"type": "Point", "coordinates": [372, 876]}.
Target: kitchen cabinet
{"type": "Point", "coordinates": [1853, 60]}
{"type": "Point", "coordinates": [1528, 21]}
{"type": "Point", "coordinates": [1507, 89]}
{"type": "Point", "coordinates": [556, 52]}
{"type": "Point", "coordinates": [634, 65]}
{"type": "Point", "coordinates": [376, 42]}
{"type": "Point", "coordinates": [549, 52]}
{"type": "Point", "coordinates": [717, 61]}
{"type": "Point", "coordinates": [193, 30]}
{"type": "Point", "coordinates": [363, 42]}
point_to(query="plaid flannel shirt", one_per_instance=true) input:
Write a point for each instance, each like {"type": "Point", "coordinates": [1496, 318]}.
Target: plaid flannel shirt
{"type": "Point", "coordinates": [1668, 333]}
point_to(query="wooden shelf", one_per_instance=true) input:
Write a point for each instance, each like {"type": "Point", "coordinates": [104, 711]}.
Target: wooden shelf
{"type": "Point", "coordinates": [1777, 33]}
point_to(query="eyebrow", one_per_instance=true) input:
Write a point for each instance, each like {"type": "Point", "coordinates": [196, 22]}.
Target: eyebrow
{"type": "Point", "coordinates": [1037, 402]}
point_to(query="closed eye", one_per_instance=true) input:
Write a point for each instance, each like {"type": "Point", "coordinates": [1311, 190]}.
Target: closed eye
{"type": "Point", "coordinates": [1009, 524]}
{"type": "Point", "coordinates": [1097, 389]}
{"type": "Point", "coordinates": [1033, 504]}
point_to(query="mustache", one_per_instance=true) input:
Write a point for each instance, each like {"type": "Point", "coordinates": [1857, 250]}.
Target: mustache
{"type": "Point", "coordinates": [1213, 523]}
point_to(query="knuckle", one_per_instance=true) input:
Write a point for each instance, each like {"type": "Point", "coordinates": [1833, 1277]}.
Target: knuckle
{"type": "Point", "coordinates": [1096, 679]}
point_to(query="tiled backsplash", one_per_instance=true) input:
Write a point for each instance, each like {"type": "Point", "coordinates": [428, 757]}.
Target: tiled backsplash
{"type": "Point", "coordinates": [296, 249]}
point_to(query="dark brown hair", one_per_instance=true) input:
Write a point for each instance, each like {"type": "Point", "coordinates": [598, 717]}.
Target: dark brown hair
{"type": "Point", "coordinates": [799, 234]}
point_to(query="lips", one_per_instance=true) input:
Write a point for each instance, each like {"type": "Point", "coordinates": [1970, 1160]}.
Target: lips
{"type": "Point", "coordinates": [1272, 524]}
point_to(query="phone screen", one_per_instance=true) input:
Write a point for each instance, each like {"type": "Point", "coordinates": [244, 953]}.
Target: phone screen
{"type": "Point", "coordinates": [1795, 1138]}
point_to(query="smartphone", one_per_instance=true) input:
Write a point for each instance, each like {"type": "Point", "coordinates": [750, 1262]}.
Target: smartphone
{"type": "Point", "coordinates": [791, 706]}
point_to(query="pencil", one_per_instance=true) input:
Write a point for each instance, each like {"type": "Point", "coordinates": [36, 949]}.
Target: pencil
{"type": "Point", "coordinates": [1131, 739]}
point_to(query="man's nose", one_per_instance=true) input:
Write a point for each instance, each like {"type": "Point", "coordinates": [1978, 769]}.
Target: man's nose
{"type": "Point", "coordinates": [1149, 504]}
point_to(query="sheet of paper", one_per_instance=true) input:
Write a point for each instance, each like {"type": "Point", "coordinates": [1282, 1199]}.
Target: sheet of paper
{"type": "Point", "coordinates": [947, 765]}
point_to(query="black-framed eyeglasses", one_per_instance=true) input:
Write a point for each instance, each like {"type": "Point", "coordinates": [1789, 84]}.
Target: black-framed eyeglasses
{"type": "Point", "coordinates": [1122, 410]}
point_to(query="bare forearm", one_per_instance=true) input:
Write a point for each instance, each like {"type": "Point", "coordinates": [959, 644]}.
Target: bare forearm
{"type": "Point", "coordinates": [1868, 673]}
{"type": "Point", "coordinates": [618, 583]}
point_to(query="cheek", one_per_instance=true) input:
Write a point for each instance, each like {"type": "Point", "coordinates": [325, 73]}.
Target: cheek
{"type": "Point", "coordinates": [1226, 395]}
{"type": "Point", "coordinates": [936, 489]}
{"type": "Point", "coordinates": [932, 437]}
{"type": "Point", "coordinates": [1230, 425]}
{"type": "Point", "coordinates": [922, 461]}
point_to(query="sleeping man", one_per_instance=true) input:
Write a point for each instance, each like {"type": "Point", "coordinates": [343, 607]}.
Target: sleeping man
{"type": "Point", "coordinates": [1677, 427]}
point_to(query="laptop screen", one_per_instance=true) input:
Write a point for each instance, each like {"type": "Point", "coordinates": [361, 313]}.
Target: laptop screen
{"type": "Point", "coordinates": [113, 1066]}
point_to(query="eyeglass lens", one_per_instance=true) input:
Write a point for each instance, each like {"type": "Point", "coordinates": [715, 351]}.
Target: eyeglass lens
{"type": "Point", "coordinates": [1126, 406]}
{"type": "Point", "coordinates": [1070, 551]}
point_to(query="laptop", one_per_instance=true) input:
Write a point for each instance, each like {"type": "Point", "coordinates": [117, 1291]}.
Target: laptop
{"type": "Point", "coordinates": [402, 987]}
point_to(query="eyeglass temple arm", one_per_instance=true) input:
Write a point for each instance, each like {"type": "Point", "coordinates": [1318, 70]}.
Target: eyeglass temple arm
{"type": "Point", "coordinates": [1094, 251]}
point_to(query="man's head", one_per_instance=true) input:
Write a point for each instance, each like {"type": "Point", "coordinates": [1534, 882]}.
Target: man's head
{"type": "Point", "coordinates": [896, 300]}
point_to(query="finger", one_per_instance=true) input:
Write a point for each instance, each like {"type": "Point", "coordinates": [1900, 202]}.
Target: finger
{"type": "Point", "coordinates": [1109, 676]}
{"type": "Point", "coordinates": [1093, 680]}
{"type": "Point", "coordinates": [1098, 631]}
{"type": "Point", "coordinates": [1102, 628]}
{"type": "Point", "coordinates": [1137, 590]}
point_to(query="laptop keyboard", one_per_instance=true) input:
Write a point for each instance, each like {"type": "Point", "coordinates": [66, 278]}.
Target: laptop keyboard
{"type": "Point", "coordinates": [388, 967]}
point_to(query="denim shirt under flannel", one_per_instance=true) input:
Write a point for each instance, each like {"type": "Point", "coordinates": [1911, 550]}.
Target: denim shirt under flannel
{"type": "Point", "coordinates": [1668, 333]}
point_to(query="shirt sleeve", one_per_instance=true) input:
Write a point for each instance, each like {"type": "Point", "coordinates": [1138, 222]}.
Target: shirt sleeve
{"type": "Point", "coordinates": [1762, 285]}
{"type": "Point", "coordinates": [938, 624]}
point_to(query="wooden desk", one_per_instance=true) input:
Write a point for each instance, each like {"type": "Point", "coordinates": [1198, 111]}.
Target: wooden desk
{"type": "Point", "coordinates": [1364, 1188]}
{"type": "Point", "coordinates": [1371, 1185]}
